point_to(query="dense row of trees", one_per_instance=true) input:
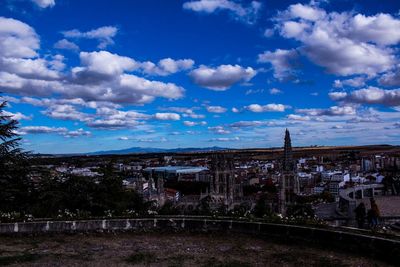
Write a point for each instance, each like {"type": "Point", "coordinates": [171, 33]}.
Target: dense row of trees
{"type": "Point", "coordinates": [84, 196]}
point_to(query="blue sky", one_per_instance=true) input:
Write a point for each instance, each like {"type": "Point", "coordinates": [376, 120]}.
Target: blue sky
{"type": "Point", "coordinates": [83, 76]}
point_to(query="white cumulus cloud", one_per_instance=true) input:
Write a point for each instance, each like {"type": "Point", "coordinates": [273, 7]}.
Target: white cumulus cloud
{"type": "Point", "coordinates": [283, 62]}
{"type": "Point", "coordinates": [343, 43]}
{"type": "Point", "coordinates": [248, 14]}
{"type": "Point", "coordinates": [104, 35]}
{"type": "Point", "coordinates": [44, 3]}
{"type": "Point", "coordinates": [266, 108]}
{"type": "Point", "coordinates": [216, 109]}
{"type": "Point", "coordinates": [221, 77]}
{"type": "Point", "coordinates": [167, 116]}
{"type": "Point", "coordinates": [370, 95]}
{"type": "Point", "coordinates": [193, 123]}
{"type": "Point", "coordinates": [17, 39]}
{"type": "Point", "coordinates": [66, 45]}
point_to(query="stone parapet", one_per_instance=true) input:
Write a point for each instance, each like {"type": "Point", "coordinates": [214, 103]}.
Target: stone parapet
{"type": "Point", "coordinates": [383, 248]}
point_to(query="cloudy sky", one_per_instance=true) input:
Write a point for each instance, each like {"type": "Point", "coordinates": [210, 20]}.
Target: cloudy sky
{"type": "Point", "coordinates": [90, 75]}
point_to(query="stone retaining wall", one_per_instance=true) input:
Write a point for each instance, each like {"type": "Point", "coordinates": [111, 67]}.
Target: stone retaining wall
{"type": "Point", "coordinates": [383, 248]}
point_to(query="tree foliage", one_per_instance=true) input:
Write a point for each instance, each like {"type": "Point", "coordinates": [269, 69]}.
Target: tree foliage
{"type": "Point", "coordinates": [262, 207]}
{"type": "Point", "coordinates": [84, 195]}
{"type": "Point", "coordinates": [15, 185]}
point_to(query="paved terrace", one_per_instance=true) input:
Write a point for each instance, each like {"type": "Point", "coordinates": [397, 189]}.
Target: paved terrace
{"type": "Point", "coordinates": [388, 205]}
{"type": "Point", "coordinates": [183, 249]}
{"type": "Point", "coordinates": [351, 241]}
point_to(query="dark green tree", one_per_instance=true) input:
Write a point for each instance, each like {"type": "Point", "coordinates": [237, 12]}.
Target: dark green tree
{"type": "Point", "coordinates": [111, 194]}
{"type": "Point", "coordinates": [169, 208]}
{"type": "Point", "coordinates": [51, 197]}
{"type": "Point", "coordinates": [15, 185]}
{"type": "Point", "coordinates": [262, 207]}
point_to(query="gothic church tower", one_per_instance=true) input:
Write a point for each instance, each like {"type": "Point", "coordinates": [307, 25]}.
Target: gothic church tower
{"type": "Point", "coordinates": [289, 183]}
{"type": "Point", "coordinates": [222, 179]}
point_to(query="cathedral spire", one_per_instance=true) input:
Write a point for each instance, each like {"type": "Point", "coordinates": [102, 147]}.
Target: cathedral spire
{"type": "Point", "coordinates": [287, 153]}
{"type": "Point", "coordinates": [289, 182]}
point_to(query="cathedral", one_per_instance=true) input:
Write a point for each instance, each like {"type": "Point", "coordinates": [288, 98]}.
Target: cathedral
{"type": "Point", "coordinates": [223, 189]}
{"type": "Point", "coordinates": [289, 183]}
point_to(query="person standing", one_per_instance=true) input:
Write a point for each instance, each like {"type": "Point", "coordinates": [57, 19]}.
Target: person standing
{"type": "Point", "coordinates": [360, 212]}
{"type": "Point", "coordinates": [374, 213]}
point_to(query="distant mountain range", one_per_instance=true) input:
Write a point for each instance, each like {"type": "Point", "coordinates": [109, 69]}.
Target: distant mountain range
{"type": "Point", "coordinates": [134, 150]}
{"type": "Point", "coordinates": [309, 149]}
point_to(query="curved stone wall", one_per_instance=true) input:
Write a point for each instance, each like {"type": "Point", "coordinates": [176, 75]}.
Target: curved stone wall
{"type": "Point", "coordinates": [383, 248]}
{"type": "Point", "coordinates": [348, 198]}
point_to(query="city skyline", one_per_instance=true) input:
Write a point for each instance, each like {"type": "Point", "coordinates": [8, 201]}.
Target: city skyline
{"type": "Point", "coordinates": [200, 73]}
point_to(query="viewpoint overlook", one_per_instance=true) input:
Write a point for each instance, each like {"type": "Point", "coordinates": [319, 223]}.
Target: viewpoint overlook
{"type": "Point", "coordinates": [199, 133]}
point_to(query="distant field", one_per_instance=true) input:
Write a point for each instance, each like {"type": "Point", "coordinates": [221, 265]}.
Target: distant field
{"type": "Point", "coordinates": [388, 148]}
{"type": "Point", "coordinates": [256, 153]}
{"type": "Point", "coordinates": [179, 249]}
